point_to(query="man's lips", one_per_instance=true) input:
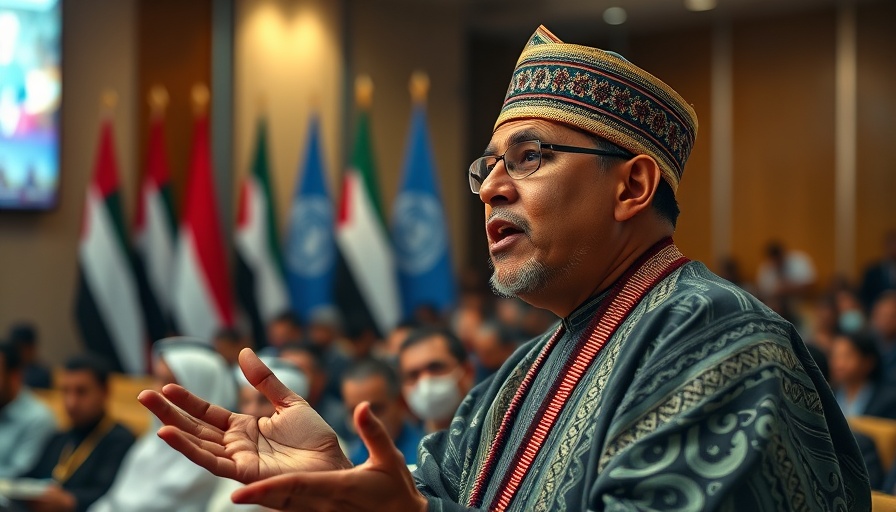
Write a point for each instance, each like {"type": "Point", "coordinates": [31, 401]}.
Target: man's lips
{"type": "Point", "coordinates": [502, 232]}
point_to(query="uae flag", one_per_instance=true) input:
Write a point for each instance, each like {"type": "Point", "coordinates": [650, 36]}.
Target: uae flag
{"type": "Point", "coordinates": [260, 285]}
{"type": "Point", "coordinates": [201, 295]}
{"type": "Point", "coordinates": [107, 305]}
{"type": "Point", "coordinates": [366, 286]}
{"type": "Point", "coordinates": [154, 231]}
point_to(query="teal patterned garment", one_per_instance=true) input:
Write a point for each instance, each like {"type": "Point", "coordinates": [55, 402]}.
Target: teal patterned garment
{"type": "Point", "coordinates": [703, 399]}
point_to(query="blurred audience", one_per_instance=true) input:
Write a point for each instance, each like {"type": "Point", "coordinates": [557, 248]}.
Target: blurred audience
{"type": "Point", "coordinates": [154, 476]}
{"type": "Point", "coordinates": [850, 317]}
{"type": "Point", "coordinates": [282, 329]}
{"type": "Point", "coordinates": [866, 444]}
{"type": "Point", "coordinates": [229, 342]}
{"type": "Point", "coordinates": [26, 424]}
{"type": "Point", "coordinates": [325, 330]}
{"type": "Point", "coordinates": [824, 326]}
{"type": "Point", "coordinates": [880, 276]}
{"type": "Point", "coordinates": [82, 461]}
{"type": "Point", "coordinates": [784, 275]}
{"type": "Point", "coordinates": [493, 344]}
{"type": "Point", "coordinates": [36, 375]}
{"type": "Point", "coordinates": [395, 339]}
{"type": "Point", "coordinates": [436, 375]}
{"type": "Point", "coordinates": [856, 377]}
{"type": "Point", "coordinates": [308, 358]}
{"type": "Point", "coordinates": [374, 381]}
{"type": "Point", "coordinates": [883, 324]}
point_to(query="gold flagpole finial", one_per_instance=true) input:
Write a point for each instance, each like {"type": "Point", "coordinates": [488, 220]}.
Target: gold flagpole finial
{"type": "Point", "coordinates": [200, 96]}
{"type": "Point", "coordinates": [364, 91]}
{"type": "Point", "coordinates": [158, 100]}
{"type": "Point", "coordinates": [419, 86]}
{"type": "Point", "coordinates": [108, 102]}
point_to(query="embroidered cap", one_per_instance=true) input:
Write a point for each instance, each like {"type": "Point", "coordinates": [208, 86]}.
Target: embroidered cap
{"type": "Point", "coordinates": [601, 93]}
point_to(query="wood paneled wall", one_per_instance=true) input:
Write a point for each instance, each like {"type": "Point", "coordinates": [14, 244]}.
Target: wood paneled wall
{"type": "Point", "coordinates": [682, 60]}
{"type": "Point", "coordinates": [876, 169]}
{"type": "Point", "coordinates": [173, 50]}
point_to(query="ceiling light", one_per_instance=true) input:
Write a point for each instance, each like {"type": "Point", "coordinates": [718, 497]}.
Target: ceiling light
{"type": "Point", "coordinates": [699, 5]}
{"type": "Point", "coordinates": [615, 16]}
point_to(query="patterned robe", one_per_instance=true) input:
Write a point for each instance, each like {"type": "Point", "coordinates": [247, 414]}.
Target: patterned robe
{"type": "Point", "coordinates": [702, 399]}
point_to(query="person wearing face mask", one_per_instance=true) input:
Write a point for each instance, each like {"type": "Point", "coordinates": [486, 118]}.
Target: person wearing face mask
{"type": "Point", "coordinates": [436, 374]}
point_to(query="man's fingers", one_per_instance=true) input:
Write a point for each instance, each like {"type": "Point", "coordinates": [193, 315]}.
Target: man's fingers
{"type": "Point", "coordinates": [170, 415]}
{"type": "Point", "coordinates": [198, 408]}
{"type": "Point", "coordinates": [377, 440]}
{"type": "Point", "coordinates": [264, 380]}
{"type": "Point", "coordinates": [193, 449]}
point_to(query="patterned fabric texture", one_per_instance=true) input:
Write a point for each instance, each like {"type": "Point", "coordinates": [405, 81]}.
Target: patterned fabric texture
{"type": "Point", "coordinates": [602, 93]}
{"type": "Point", "coordinates": [703, 399]}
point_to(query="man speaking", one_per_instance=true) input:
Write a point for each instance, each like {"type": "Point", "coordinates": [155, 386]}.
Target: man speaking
{"type": "Point", "coordinates": [663, 388]}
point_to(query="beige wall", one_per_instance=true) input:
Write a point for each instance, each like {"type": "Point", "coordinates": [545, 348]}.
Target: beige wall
{"type": "Point", "coordinates": [288, 63]}
{"type": "Point", "coordinates": [38, 252]}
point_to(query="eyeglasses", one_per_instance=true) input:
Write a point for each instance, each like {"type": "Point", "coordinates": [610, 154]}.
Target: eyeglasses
{"type": "Point", "coordinates": [524, 158]}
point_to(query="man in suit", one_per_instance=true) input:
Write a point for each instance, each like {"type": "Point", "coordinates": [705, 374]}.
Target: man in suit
{"type": "Point", "coordinates": [83, 460]}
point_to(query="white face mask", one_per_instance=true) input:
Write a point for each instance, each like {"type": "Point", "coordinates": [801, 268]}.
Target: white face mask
{"type": "Point", "coordinates": [435, 398]}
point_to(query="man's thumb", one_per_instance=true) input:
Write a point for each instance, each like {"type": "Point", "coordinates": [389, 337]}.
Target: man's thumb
{"type": "Point", "coordinates": [377, 440]}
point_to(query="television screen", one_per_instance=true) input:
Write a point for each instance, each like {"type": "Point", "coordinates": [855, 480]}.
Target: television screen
{"type": "Point", "coordinates": [30, 93]}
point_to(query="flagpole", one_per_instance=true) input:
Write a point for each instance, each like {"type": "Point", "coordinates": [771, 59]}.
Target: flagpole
{"type": "Point", "coordinates": [200, 96]}
{"type": "Point", "coordinates": [108, 103]}
{"type": "Point", "coordinates": [363, 92]}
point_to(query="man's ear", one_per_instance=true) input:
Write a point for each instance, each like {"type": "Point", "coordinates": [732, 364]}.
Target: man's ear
{"type": "Point", "coordinates": [638, 181]}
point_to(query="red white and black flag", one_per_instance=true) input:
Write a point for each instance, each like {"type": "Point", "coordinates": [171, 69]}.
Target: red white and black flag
{"type": "Point", "coordinates": [107, 305]}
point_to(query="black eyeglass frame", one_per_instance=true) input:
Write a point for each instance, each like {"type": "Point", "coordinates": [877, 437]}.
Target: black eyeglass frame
{"type": "Point", "coordinates": [473, 172]}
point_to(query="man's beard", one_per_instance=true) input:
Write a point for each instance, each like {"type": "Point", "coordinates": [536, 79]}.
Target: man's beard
{"type": "Point", "coordinates": [530, 277]}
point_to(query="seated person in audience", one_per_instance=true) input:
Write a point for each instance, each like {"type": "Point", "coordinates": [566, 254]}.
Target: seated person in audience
{"type": "Point", "coordinates": [26, 424]}
{"type": "Point", "coordinates": [883, 324]}
{"type": "Point", "coordinates": [325, 330]}
{"type": "Point", "coordinates": [255, 404]}
{"type": "Point", "coordinates": [866, 445]}
{"type": "Point", "coordinates": [492, 345]}
{"type": "Point", "coordinates": [880, 276]}
{"type": "Point", "coordinates": [229, 342]}
{"type": "Point", "coordinates": [850, 317]}
{"type": "Point", "coordinates": [374, 381]}
{"type": "Point", "coordinates": [824, 324]}
{"type": "Point", "coordinates": [154, 476]}
{"type": "Point", "coordinates": [83, 460]}
{"type": "Point", "coordinates": [283, 329]}
{"type": "Point", "coordinates": [436, 375]}
{"type": "Point", "coordinates": [308, 358]}
{"type": "Point", "coordinates": [35, 374]}
{"type": "Point", "coordinates": [856, 378]}
{"type": "Point", "coordinates": [784, 274]}
{"type": "Point", "coordinates": [392, 344]}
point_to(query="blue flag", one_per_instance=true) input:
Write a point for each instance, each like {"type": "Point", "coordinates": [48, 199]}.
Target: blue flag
{"type": "Point", "coordinates": [419, 229]}
{"type": "Point", "coordinates": [310, 247]}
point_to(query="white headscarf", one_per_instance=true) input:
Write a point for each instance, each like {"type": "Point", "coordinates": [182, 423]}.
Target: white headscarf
{"type": "Point", "coordinates": [153, 476]}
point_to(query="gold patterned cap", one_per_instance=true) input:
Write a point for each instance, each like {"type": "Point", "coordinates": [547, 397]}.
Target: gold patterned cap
{"type": "Point", "coordinates": [601, 93]}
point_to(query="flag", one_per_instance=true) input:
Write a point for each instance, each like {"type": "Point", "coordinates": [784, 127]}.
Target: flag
{"type": "Point", "coordinates": [154, 231]}
{"type": "Point", "coordinates": [201, 300]}
{"type": "Point", "coordinates": [260, 285]}
{"type": "Point", "coordinates": [419, 232]}
{"type": "Point", "coordinates": [107, 304]}
{"type": "Point", "coordinates": [310, 248]}
{"type": "Point", "coordinates": [366, 287]}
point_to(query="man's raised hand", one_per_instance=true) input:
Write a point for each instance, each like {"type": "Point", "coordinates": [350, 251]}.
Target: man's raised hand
{"type": "Point", "coordinates": [239, 446]}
